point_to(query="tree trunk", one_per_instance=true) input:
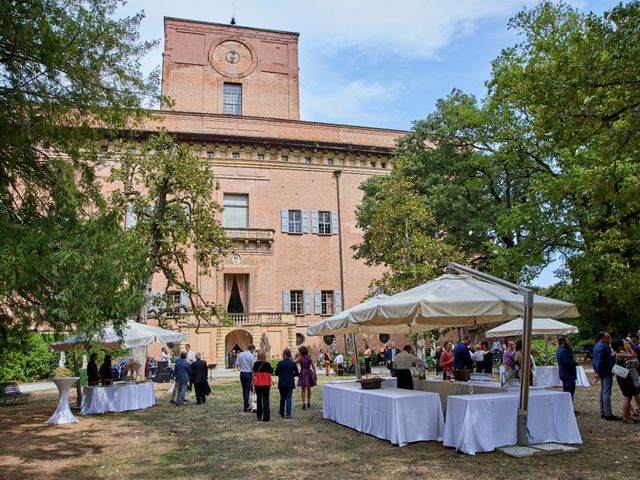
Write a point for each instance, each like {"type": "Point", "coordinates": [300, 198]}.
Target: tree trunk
{"type": "Point", "coordinates": [139, 354]}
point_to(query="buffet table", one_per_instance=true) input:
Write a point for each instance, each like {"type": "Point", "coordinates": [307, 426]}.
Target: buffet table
{"type": "Point", "coordinates": [550, 377]}
{"type": "Point", "coordinates": [400, 416]}
{"type": "Point", "coordinates": [481, 423]}
{"type": "Point", "coordinates": [118, 398]}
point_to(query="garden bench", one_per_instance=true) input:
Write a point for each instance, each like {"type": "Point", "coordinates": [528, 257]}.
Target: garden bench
{"type": "Point", "coordinates": [10, 394]}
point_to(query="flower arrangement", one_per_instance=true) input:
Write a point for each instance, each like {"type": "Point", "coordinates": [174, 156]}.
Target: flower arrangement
{"type": "Point", "coordinates": [131, 369]}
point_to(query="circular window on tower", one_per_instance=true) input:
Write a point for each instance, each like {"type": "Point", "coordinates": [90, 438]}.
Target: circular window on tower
{"type": "Point", "coordinates": [329, 339]}
{"type": "Point", "coordinates": [384, 337]}
{"type": "Point", "coordinates": [299, 339]}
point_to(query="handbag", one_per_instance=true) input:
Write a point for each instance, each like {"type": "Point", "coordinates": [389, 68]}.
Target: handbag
{"type": "Point", "coordinates": [620, 371]}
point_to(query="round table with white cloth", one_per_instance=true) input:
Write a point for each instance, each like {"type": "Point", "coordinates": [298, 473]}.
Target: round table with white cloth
{"type": "Point", "coordinates": [550, 377]}
{"type": "Point", "coordinates": [63, 412]}
{"type": "Point", "coordinates": [118, 398]}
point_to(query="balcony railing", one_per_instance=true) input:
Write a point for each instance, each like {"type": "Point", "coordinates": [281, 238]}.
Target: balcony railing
{"type": "Point", "coordinates": [261, 318]}
{"type": "Point", "coordinates": [250, 234]}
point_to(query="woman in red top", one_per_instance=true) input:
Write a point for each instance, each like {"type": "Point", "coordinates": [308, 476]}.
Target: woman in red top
{"type": "Point", "coordinates": [262, 384]}
{"type": "Point", "coordinates": [446, 360]}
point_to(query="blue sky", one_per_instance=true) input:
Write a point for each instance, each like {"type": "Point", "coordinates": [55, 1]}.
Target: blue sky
{"type": "Point", "coordinates": [370, 62]}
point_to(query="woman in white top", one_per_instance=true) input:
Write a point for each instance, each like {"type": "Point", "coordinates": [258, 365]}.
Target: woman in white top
{"type": "Point", "coordinates": [165, 356]}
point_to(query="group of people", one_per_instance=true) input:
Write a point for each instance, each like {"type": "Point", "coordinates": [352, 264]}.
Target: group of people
{"type": "Point", "coordinates": [190, 372]}
{"type": "Point", "coordinates": [256, 376]}
{"type": "Point", "coordinates": [619, 358]}
{"type": "Point", "coordinates": [102, 375]}
{"type": "Point", "coordinates": [477, 358]}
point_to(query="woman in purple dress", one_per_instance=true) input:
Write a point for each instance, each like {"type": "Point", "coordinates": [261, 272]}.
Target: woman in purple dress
{"type": "Point", "coordinates": [307, 378]}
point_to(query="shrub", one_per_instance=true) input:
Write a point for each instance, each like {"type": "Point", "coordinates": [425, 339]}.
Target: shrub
{"type": "Point", "coordinates": [25, 357]}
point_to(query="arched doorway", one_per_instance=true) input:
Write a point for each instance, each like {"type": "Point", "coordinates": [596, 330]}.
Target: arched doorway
{"type": "Point", "coordinates": [237, 340]}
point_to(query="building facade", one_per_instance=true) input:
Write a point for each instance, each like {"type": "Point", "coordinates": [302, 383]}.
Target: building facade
{"type": "Point", "coordinates": [289, 188]}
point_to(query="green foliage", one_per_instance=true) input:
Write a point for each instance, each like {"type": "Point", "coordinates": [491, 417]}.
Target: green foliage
{"type": "Point", "coordinates": [539, 353]}
{"type": "Point", "coordinates": [171, 191]}
{"type": "Point", "coordinates": [546, 164]}
{"type": "Point", "coordinates": [66, 67]}
{"type": "Point", "coordinates": [25, 357]}
{"type": "Point", "coordinates": [400, 234]}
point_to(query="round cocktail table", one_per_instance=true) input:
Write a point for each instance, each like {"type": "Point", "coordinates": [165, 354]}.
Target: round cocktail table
{"type": "Point", "coordinates": [63, 412]}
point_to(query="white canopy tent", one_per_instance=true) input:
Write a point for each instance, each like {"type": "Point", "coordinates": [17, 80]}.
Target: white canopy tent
{"type": "Point", "coordinates": [133, 335]}
{"type": "Point", "coordinates": [447, 301]}
{"type": "Point", "coordinates": [450, 300]}
{"type": "Point", "coordinates": [539, 326]}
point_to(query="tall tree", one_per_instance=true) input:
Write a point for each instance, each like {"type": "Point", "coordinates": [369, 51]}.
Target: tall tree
{"type": "Point", "coordinates": [401, 234]}
{"type": "Point", "coordinates": [69, 75]}
{"type": "Point", "coordinates": [576, 79]}
{"type": "Point", "coordinates": [168, 194]}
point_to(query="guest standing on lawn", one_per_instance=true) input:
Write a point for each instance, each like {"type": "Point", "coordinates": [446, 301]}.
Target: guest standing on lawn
{"type": "Point", "coordinates": [566, 366]}
{"type": "Point", "coordinates": [262, 385]}
{"type": "Point", "coordinates": [307, 378]}
{"type": "Point", "coordinates": [462, 355]}
{"type": "Point", "coordinates": [286, 371]}
{"type": "Point", "coordinates": [446, 360]}
{"type": "Point", "coordinates": [602, 363]}
{"type": "Point", "coordinates": [245, 362]}
{"type": "Point", "coordinates": [181, 374]}
{"type": "Point", "coordinates": [627, 388]}
{"type": "Point", "coordinates": [199, 373]}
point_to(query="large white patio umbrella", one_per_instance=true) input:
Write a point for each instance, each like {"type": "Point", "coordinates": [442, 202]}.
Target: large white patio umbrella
{"type": "Point", "coordinates": [451, 301]}
{"type": "Point", "coordinates": [461, 300]}
{"type": "Point", "coordinates": [540, 326]}
{"type": "Point", "coordinates": [133, 335]}
{"type": "Point", "coordinates": [339, 323]}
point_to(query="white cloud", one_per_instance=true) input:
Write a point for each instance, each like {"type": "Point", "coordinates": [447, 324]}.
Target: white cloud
{"type": "Point", "coordinates": [357, 102]}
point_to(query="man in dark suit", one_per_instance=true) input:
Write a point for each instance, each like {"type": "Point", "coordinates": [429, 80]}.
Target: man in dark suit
{"type": "Point", "coordinates": [198, 375]}
{"type": "Point", "coordinates": [286, 371]}
{"type": "Point", "coordinates": [462, 355]}
{"type": "Point", "coordinates": [602, 362]}
{"type": "Point", "coordinates": [390, 355]}
{"type": "Point", "coordinates": [181, 375]}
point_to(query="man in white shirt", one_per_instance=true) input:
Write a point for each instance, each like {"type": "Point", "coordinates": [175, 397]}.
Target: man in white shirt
{"type": "Point", "coordinates": [191, 356]}
{"type": "Point", "coordinates": [245, 362]}
{"type": "Point", "coordinates": [339, 361]}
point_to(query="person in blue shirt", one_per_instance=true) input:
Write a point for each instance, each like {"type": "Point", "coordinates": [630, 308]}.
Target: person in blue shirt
{"type": "Point", "coordinates": [602, 363]}
{"type": "Point", "coordinates": [181, 373]}
{"type": "Point", "coordinates": [286, 371]}
{"type": "Point", "coordinates": [566, 366]}
{"type": "Point", "coordinates": [462, 355]}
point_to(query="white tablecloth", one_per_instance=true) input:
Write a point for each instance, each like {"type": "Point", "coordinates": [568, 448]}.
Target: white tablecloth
{"type": "Point", "coordinates": [481, 423]}
{"type": "Point", "coordinates": [550, 377]}
{"type": "Point", "coordinates": [63, 412]}
{"type": "Point", "coordinates": [400, 416]}
{"type": "Point", "coordinates": [118, 398]}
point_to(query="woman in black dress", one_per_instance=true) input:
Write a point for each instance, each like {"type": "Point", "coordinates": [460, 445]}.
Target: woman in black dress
{"type": "Point", "coordinates": [626, 384]}
{"type": "Point", "coordinates": [105, 371]}
{"type": "Point", "coordinates": [93, 376]}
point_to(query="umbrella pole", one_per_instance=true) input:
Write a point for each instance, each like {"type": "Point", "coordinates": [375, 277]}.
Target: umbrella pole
{"type": "Point", "coordinates": [355, 347]}
{"type": "Point", "coordinates": [523, 410]}
{"type": "Point", "coordinates": [77, 369]}
{"type": "Point", "coordinates": [546, 347]}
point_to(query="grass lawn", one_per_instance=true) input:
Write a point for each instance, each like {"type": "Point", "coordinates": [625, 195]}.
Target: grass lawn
{"type": "Point", "coordinates": [219, 441]}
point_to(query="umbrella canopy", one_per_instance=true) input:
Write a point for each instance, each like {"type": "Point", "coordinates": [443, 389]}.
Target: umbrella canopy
{"type": "Point", "coordinates": [133, 335]}
{"type": "Point", "coordinates": [447, 301]}
{"type": "Point", "coordinates": [339, 323]}
{"type": "Point", "coordinates": [540, 326]}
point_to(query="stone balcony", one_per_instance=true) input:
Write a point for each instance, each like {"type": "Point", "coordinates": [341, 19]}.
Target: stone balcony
{"type": "Point", "coordinates": [248, 235]}
{"type": "Point", "coordinates": [262, 318]}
